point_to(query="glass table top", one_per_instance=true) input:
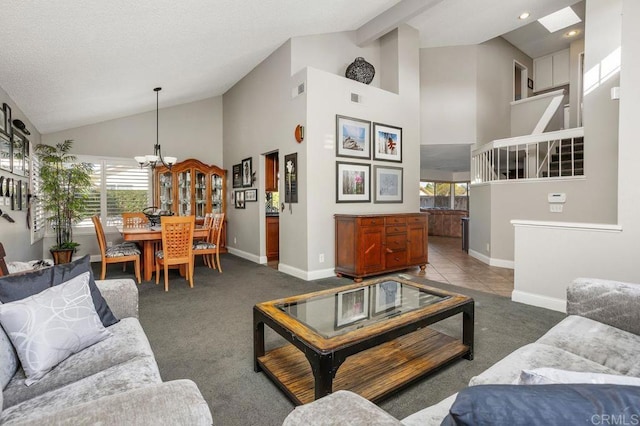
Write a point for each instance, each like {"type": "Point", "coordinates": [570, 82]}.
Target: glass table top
{"type": "Point", "coordinates": [337, 313]}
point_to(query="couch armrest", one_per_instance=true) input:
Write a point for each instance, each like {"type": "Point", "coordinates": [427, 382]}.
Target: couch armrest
{"type": "Point", "coordinates": [169, 403]}
{"type": "Point", "coordinates": [610, 302]}
{"type": "Point", "coordinates": [341, 408]}
{"type": "Point", "coordinates": [121, 296]}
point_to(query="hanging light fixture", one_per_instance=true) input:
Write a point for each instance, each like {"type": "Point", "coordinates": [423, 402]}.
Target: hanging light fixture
{"type": "Point", "coordinates": [152, 160]}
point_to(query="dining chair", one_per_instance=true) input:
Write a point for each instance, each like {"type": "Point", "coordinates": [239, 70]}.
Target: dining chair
{"type": "Point", "coordinates": [211, 245]}
{"type": "Point", "coordinates": [119, 253]}
{"type": "Point", "coordinates": [135, 220]}
{"type": "Point", "coordinates": [177, 247]}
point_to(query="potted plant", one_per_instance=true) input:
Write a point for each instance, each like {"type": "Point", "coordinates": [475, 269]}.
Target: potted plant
{"type": "Point", "coordinates": [64, 194]}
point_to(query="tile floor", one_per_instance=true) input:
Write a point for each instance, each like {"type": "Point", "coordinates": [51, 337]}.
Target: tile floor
{"type": "Point", "coordinates": [448, 263]}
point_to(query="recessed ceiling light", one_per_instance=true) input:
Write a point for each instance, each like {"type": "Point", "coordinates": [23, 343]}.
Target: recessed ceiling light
{"type": "Point", "coordinates": [560, 19]}
{"type": "Point", "coordinates": [572, 33]}
{"type": "Point", "coordinates": [524, 15]}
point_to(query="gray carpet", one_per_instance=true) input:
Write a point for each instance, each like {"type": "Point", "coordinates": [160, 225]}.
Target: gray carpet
{"type": "Point", "coordinates": [205, 334]}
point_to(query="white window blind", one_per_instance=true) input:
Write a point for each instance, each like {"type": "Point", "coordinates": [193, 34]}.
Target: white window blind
{"type": "Point", "coordinates": [38, 224]}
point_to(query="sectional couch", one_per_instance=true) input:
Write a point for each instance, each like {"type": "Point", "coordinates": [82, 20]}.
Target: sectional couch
{"type": "Point", "coordinates": [600, 336]}
{"type": "Point", "coordinates": [115, 381]}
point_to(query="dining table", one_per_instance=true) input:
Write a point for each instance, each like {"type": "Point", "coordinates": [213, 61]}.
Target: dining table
{"type": "Point", "coordinates": [149, 236]}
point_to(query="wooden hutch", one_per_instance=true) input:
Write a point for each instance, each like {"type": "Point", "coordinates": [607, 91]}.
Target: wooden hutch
{"type": "Point", "coordinates": [192, 188]}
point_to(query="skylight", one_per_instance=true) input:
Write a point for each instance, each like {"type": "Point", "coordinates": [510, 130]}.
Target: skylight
{"type": "Point", "coordinates": [560, 19]}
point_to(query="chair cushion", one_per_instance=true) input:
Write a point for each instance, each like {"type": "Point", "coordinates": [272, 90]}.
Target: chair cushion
{"type": "Point", "coordinates": [121, 250]}
{"type": "Point", "coordinates": [160, 254]}
{"type": "Point", "coordinates": [203, 245]}
{"type": "Point", "coordinates": [48, 327]}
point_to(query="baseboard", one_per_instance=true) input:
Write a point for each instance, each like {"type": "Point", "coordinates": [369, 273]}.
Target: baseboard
{"type": "Point", "coordinates": [245, 255]}
{"type": "Point", "coordinates": [95, 258]}
{"type": "Point", "coordinates": [501, 263]}
{"type": "Point", "coordinates": [305, 275]}
{"type": "Point", "coordinates": [552, 303]}
{"type": "Point", "coordinates": [263, 260]}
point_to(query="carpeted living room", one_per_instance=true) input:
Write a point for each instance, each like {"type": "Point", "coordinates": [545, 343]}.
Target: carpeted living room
{"type": "Point", "coordinates": [208, 212]}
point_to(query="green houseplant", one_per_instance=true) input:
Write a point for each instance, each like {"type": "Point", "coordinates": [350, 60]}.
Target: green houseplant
{"type": "Point", "coordinates": [64, 194]}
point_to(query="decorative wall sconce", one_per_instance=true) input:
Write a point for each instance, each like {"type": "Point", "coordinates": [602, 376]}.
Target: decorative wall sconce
{"type": "Point", "coordinates": [299, 133]}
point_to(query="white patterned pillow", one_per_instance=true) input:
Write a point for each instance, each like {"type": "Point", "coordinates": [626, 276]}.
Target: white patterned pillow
{"type": "Point", "coordinates": [122, 250]}
{"type": "Point", "coordinates": [48, 327]}
{"type": "Point", "coordinates": [203, 245]}
{"type": "Point", "coordinates": [550, 376]}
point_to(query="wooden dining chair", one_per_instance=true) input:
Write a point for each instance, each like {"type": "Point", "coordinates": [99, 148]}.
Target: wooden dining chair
{"type": "Point", "coordinates": [211, 246]}
{"type": "Point", "coordinates": [119, 253]}
{"type": "Point", "coordinates": [177, 247]}
{"type": "Point", "coordinates": [135, 220]}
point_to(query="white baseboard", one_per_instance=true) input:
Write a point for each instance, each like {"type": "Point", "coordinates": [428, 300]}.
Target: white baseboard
{"type": "Point", "coordinates": [552, 303]}
{"type": "Point", "coordinates": [305, 275]}
{"type": "Point", "coordinates": [501, 263]}
{"type": "Point", "coordinates": [245, 255]}
{"type": "Point", "coordinates": [263, 260]}
{"type": "Point", "coordinates": [95, 258]}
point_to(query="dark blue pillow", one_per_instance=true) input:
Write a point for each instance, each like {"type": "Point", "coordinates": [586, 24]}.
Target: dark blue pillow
{"type": "Point", "coordinates": [20, 286]}
{"type": "Point", "coordinates": [546, 405]}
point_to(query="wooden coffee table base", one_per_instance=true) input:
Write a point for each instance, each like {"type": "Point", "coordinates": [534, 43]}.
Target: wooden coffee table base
{"type": "Point", "coordinates": [374, 373]}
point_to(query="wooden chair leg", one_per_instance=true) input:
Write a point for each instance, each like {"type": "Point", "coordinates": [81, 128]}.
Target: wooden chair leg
{"type": "Point", "coordinates": [157, 272]}
{"type": "Point", "coordinates": [190, 272]}
{"type": "Point", "coordinates": [218, 262]}
{"type": "Point", "coordinates": [136, 266]}
{"type": "Point", "coordinates": [166, 277]}
{"type": "Point", "coordinates": [103, 274]}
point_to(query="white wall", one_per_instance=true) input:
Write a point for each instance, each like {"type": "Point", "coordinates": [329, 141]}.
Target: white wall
{"type": "Point", "coordinates": [612, 253]}
{"type": "Point", "coordinates": [16, 237]}
{"type": "Point", "coordinates": [444, 176]}
{"type": "Point", "coordinates": [575, 80]}
{"type": "Point", "coordinates": [192, 130]}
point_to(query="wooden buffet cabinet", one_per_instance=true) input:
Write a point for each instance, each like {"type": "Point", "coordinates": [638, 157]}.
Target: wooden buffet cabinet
{"type": "Point", "coordinates": [376, 244]}
{"type": "Point", "coordinates": [273, 238]}
{"type": "Point", "coordinates": [191, 188]}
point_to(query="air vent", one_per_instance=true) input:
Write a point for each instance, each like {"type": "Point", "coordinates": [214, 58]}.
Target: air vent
{"type": "Point", "coordinates": [300, 88]}
{"type": "Point", "coordinates": [355, 98]}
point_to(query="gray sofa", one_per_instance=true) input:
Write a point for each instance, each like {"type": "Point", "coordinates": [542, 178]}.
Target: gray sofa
{"type": "Point", "coordinates": [601, 334]}
{"type": "Point", "coordinates": [115, 381]}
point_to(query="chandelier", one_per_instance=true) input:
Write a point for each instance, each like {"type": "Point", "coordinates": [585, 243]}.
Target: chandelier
{"type": "Point", "coordinates": [152, 160]}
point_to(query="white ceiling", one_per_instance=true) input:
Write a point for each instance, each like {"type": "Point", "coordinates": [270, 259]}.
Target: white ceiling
{"type": "Point", "coordinates": [68, 63]}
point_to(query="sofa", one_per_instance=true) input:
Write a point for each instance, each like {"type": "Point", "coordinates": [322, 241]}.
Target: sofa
{"type": "Point", "coordinates": [595, 345]}
{"type": "Point", "coordinates": [114, 381]}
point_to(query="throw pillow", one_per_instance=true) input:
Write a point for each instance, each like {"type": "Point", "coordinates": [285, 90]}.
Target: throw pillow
{"type": "Point", "coordinates": [48, 327]}
{"type": "Point", "coordinates": [548, 376]}
{"type": "Point", "coordinates": [16, 287]}
{"type": "Point", "coordinates": [64, 272]}
{"type": "Point", "coordinates": [544, 405]}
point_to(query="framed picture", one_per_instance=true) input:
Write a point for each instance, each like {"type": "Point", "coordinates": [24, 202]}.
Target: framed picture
{"type": "Point", "coordinates": [17, 194]}
{"type": "Point", "coordinates": [387, 143]}
{"type": "Point", "coordinates": [6, 155]}
{"type": "Point", "coordinates": [251, 195]}
{"type": "Point", "coordinates": [530, 83]}
{"type": "Point", "coordinates": [353, 182]}
{"type": "Point", "coordinates": [25, 194]}
{"type": "Point", "coordinates": [291, 178]}
{"type": "Point", "coordinates": [18, 154]}
{"type": "Point", "coordinates": [353, 137]}
{"type": "Point", "coordinates": [387, 296]}
{"type": "Point", "coordinates": [26, 156]}
{"type": "Point", "coordinates": [247, 172]}
{"type": "Point", "coordinates": [237, 175]}
{"type": "Point", "coordinates": [388, 184]}
{"type": "Point", "coordinates": [352, 306]}
{"type": "Point", "coordinates": [9, 194]}
{"type": "Point", "coordinates": [6, 109]}
{"type": "Point", "coordinates": [3, 122]}
{"type": "Point", "coordinates": [239, 199]}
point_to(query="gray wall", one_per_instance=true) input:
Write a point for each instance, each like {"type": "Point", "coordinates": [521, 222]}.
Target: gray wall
{"type": "Point", "coordinates": [575, 49]}
{"type": "Point", "coordinates": [16, 237]}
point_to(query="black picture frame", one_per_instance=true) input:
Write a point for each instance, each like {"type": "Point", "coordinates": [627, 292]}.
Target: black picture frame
{"type": "Point", "coordinates": [530, 83]}
{"type": "Point", "coordinates": [237, 175]}
{"type": "Point", "coordinates": [353, 182]}
{"type": "Point", "coordinates": [17, 191]}
{"type": "Point", "coordinates": [353, 137]}
{"type": "Point", "coordinates": [388, 184]}
{"type": "Point", "coordinates": [387, 143]}
{"type": "Point", "coordinates": [250, 195]}
{"type": "Point", "coordinates": [7, 118]}
{"type": "Point", "coordinates": [6, 153]}
{"type": "Point", "coordinates": [239, 200]}
{"type": "Point", "coordinates": [247, 172]}
{"type": "Point", "coordinates": [17, 149]}
{"type": "Point", "coordinates": [291, 178]}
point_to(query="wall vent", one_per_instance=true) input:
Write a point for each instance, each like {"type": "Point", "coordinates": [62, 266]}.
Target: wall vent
{"type": "Point", "coordinates": [355, 98]}
{"type": "Point", "coordinates": [300, 88]}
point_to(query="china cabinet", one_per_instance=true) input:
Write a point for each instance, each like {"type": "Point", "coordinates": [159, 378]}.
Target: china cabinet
{"type": "Point", "coordinates": [191, 188]}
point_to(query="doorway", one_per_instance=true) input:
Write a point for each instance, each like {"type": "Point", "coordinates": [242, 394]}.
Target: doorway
{"type": "Point", "coordinates": [272, 208]}
{"type": "Point", "coordinates": [520, 81]}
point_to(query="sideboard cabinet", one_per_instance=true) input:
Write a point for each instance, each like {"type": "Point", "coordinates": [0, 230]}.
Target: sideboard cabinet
{"type": "Point", "coordinates": [376, 244]}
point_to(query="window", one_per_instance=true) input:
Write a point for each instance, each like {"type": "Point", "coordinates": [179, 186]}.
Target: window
{"type": "Point", "coordinates": [444, 195]}
{"type": "Point", "coordinates": [119, 185]}
{"type": "Point", "coordinates": [37, 211]}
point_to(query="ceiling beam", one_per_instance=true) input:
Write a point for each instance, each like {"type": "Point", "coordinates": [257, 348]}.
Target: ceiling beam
{"type": "Point", "coordinates": [391, 19]}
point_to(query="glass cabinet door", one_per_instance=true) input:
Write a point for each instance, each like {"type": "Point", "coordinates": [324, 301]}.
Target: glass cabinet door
{"type": "Point", "coordinates": [200, 191]}
{"type": "Point", "coordinates": [166, 191]}
{"type": "Point", "coordinates": [216, 193]}
{"type": "Point", "coordinates": [184, 193]}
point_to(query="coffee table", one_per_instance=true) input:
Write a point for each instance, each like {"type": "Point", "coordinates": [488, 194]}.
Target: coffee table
{"type": "Point", "coordinates": [371, 338]}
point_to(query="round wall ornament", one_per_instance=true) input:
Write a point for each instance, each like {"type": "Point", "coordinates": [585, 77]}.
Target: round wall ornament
{"type": "Point", "coordinates": [299, 133]}
{"type": "Point", "coordinates": [360, 70]}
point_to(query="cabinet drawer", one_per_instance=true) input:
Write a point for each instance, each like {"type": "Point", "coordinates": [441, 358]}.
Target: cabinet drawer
{"type": "Point", "coordinates": [417, 219]}
{"type": "Point", "coordinates": [367, 221]}
{"type": "Point", "coordinates": [396, 242]}
{"type": "Point", "coordinates": [393, 260]}
{"type": "Point", "coordinates": [396, 229]}
{"type": "Point", "coordinates": [393, 220]}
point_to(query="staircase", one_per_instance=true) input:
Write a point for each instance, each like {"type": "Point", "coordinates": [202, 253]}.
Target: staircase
{"type": "Point", "coordinates": [568, 159]}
